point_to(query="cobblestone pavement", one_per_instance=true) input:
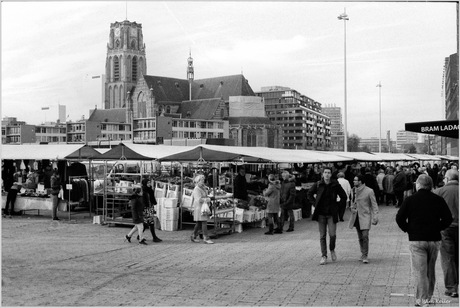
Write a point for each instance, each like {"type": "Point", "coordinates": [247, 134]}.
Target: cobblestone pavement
{"type": "Point", "coordinates": [77, 263]}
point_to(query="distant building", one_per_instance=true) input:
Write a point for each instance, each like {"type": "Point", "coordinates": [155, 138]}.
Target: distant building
{"type": "Point", "coordinates": [337, 136]}
{"type": "Point", "coordinates": [102, 127]}
{"type": "Point", "coordinates": [404, 138]}
{"type": "Point", "coordinates": [51, 133]}
{"type": "Point", "coordinates": [17, 132]}
{"type": "Point", "coordinates": [303, 124]}
{"type": "Point", "coordinates": [451, 99]}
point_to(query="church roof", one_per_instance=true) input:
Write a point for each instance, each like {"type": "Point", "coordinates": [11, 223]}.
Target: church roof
{"type": "Point", "coordinates": [249, 121]}
{"type": "Point", "coordinates": [200, 109]}
{"type": "Point", "coordinates": [117, 115]}
{"type": "Point", "coordinates": [177, 90]}
{"type": "Point", "coordinates": [168, 89]}
{"type": "Point", "coordinates": [221, 87]}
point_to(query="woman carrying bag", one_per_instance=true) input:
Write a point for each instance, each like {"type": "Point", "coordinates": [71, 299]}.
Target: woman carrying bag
{"type": "Point", "coordinates": [148, 197]}
{"type": "Point", "coordinates": [201, 210]}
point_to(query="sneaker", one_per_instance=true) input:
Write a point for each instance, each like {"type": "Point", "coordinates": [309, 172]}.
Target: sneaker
{"type": "Point", "coordinates": [127, 238]}
{"type": "Point", "coordinates": [193, 239]}
{"type": "Point", "coordinates": [365, 260]}
{"type": "Point", "coordinates": [143, 242]}
{"type": "Point", "coordinates": [451, 294]}
{"type": "Point", "coordinates": [209, 242]}
{"type": "Point", "coordinates": [323, 260]}
{"type": "Point", "coordinates": [55, 218]}
{"type": "Point", "coordinates": [361, 258]}
{"type": "Point", "coordinates": [289, 230]}
{"type": "Point", "coordinates": [333, 256]}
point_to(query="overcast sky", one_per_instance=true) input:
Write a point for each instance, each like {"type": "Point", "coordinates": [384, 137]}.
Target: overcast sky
{"type": "Point", "coordinates": [51, 50]}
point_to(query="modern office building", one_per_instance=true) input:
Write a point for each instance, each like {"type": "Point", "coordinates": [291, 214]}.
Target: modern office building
{"type": "Point", "coordinates": [451, 99]}
{"type": "Point", "coordinates": [404, 138]}
{"type": "Point", "coordinates": [303, 124]}
{"type": "Point", "coordinates": [337, 136]}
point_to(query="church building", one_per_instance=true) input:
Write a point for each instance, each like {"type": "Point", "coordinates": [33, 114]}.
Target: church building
{"type": "Point", "coordinates": [163, 108]}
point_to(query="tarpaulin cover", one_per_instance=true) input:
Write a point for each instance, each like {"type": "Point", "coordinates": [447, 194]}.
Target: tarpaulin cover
{"type": "Point", "coordinates": [132, 151]}
{"type": "Point", "coordinates": [39, 151]}
{"type": "Point", "coordinates": [251, 154]}
{"type": "Point", "coordinates": [424, 156]}
{"type": "Point", "coordinates": [394, 157]}
{"type": "Point", "coordinates": [357, 156]}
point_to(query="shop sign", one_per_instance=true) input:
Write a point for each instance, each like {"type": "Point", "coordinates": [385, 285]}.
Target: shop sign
{"type": "Point", "coordinates": [448, 128]}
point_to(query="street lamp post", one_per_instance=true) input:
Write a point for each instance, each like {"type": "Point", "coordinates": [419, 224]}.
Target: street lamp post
{"type": "Point", "coordinates": [344, 17]}
{"type": "Point", "coordinates": [380, 116]}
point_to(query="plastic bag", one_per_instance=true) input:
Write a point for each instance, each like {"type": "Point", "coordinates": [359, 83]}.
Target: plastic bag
{"type": "Point", "coordinates": [205, 210]}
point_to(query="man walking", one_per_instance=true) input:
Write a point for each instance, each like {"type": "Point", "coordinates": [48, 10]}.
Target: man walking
{"type": "Point", "coordinates": [287, 198]}
{"type": "Point", "coordinates": [365, 211]}
{"type": "Point", "coordinates": [449, 243]}
{"type": "Point", "coordinates": [326, 210]}
{"type": "Point", "coordinates": [423, 215]}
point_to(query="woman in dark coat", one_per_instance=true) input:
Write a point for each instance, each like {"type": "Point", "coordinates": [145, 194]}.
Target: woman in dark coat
{"type": "Point", "coordinates": [137, 208]}
{"type": "Point", "coordinates": [148, 197]}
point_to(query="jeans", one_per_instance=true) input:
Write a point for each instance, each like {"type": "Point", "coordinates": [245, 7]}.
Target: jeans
{"type": "Point", "coordinates": [284, 215]}
{"type": "Point", "coordinates": [423, 261]}
{"type": "Point", "coordinates": [272, 220]}
{"type": "Point", "coordinates": [449, 258]}
{"type": "Point", "coordinates": [10, 199]}
{"type": "Point", "coordinates": [363, 237]}
{"type": "Point", "coordinates": [55, 202]}
{"type": "Point", "coordinates": [140, 229]}
{"type": "Point", "coordinates": [399, 197]}
{"type": "Point", "coordinates": [203, 225]}
{"type": "Point", "coordinates": [323, 222]}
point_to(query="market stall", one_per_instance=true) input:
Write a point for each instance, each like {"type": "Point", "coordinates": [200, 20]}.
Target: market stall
{"type": "Point", "coordinates": [31, 166]}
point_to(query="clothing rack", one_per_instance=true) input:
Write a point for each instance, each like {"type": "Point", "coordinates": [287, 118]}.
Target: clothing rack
{"type": "Point", "coordinates": [86, 193]}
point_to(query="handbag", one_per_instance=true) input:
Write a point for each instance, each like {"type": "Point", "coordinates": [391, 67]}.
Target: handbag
{"type": "Point", "coordinates": [205, 210]}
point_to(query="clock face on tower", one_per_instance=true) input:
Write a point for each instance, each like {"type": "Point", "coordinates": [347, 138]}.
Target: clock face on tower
{"type": "Point", "coordinates": [133, 31]}
{"type": "Point", "coordinates": [117, 31]}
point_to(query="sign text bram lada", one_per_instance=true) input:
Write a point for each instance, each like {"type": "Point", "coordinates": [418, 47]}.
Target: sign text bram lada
{"type": "Point", "coordinates": [438, 128]}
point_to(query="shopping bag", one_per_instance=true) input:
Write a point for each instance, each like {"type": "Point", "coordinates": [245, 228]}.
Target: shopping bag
{"type": "Point", "coordinates": [205, 210]}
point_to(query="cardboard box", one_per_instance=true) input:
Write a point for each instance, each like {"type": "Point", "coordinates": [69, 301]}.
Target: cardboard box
{"type": "Point", "coordinates": [170, 202]}
{"type": "Point", "coordinates": [169, 225]}
{"type": "Point", "coordinates": [170, 213]}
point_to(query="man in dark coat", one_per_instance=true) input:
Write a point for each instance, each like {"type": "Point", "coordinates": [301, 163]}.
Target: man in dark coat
{"type": "Point", "coordinates": [326, 210]}
{"type": "Point", "coordinates": [423, 215]}
{"type": "Point", "coordinates": [287, 199]}
{"type": "Point", "coordinates": [240, 185]}
{"type": "Point", "coordinates": [399, 185]}
{"type": "Point", "coordinates": [449, 244]}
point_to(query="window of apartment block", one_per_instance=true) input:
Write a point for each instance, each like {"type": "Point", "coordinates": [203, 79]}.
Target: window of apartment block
{"type": "Point", "coordinates": [121, 128]}
{"type": "Point", "coordinates": [220, 135]}
{"type": "Point", "coordinates": [220, 125]}
{"type": "Point", "coordinates": [192, 124]}
{"type": "Point", "coordinates": [210, 125]}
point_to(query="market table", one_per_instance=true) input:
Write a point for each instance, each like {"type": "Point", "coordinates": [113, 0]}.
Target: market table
{"type": "Point", "coordinates": [24, 203]}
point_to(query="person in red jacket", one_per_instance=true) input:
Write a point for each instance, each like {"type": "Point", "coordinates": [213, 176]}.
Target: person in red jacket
{"type": "Point", "coordinates": [423, 215]}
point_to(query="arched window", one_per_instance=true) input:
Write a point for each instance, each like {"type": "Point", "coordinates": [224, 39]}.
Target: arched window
{"type": "Point", "coordinates": [116, 97]}
{"type": "Point", "coordinates": [134, 69]}
{"type": "Point", "coordinates": [133, 44]}
{"type": "Point", "coordinates": [116, 69]}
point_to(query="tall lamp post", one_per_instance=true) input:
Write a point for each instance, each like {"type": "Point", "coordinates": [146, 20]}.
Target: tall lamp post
{"type": "Point", "coordinates": [380, 116]}
{"type": "Point", "coordinates": [344, 17]}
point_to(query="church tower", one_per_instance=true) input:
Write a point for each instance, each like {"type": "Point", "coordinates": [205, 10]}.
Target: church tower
{"type": "Point", "coordinates": [190, 74]}
{"type": "Point", "coordinates": [125, 62]}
